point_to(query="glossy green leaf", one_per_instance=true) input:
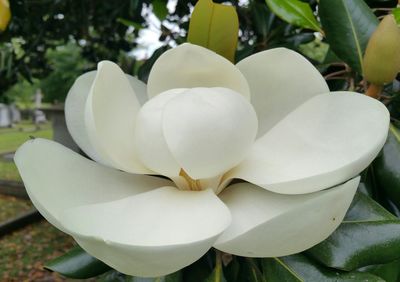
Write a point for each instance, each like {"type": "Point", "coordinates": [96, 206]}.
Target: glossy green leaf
{"type": "Point", "coordinates": [348, 25]}
{"type": "Point", "coordinates": [387, 166]}
{"type": "Point", "coordinates": [77, 264]}
{"type": "Point", "coordinates": [389, 272]}
{"type": "Point", "coordinates": [299, 268]}
{"type": "Point", "coordinates": [396, 14]}
{"type": "Point", "coordinates": [295, 12]}
{"type": "Point", "coordinates": [216, 27]}
{"type": "Point", "coordinates": [368, 235]}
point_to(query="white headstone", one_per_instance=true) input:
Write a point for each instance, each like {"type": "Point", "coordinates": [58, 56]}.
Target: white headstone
{"type": "Point", "coordinates": [39, 117]}
{"type": "Point", "coordinates": [15, 114]}
{"type": "Point", "coordinates": [5, 120]}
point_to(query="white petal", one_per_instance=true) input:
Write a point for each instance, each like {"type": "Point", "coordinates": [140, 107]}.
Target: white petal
{"type": "Point", "coordinates": [75, 116]}
{"type": "Point", "coordinates": [75, 112]}
{"type": "Point", "coordinates": [265, 224]}
{"type": "Point", "coordinates": [324, 142]}
{"type": "Point", "coordinates": [150, 234]}
{"type": "Point", "coordinates": [110, 117]}
{"type": "Point", "coordinates": [279, 80]}
{"type": "Point", "coordinates": [209, 130]}
{"type": "Point", "coordinates": [57, 178]}
{"type": "Point", "coordinates": [188, 66]}
{"type": "Point", "coordinates": [139, 88]}
{"type": "Point", "coordinates": [150, 143]}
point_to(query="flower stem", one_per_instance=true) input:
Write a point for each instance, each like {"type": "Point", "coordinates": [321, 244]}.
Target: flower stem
{"type": "Point", "coordinates": [374, 91]}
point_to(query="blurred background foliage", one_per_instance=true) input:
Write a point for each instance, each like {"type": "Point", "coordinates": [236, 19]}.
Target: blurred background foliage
{"type": "Point", "coordinates": [31, 48]}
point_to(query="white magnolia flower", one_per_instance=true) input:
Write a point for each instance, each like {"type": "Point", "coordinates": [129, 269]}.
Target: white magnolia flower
{"type": "Point", "coordinates": [270, 121]}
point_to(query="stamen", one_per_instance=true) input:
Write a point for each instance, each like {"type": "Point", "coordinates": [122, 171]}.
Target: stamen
{"type": "Point", "coordinates": [194, 185]}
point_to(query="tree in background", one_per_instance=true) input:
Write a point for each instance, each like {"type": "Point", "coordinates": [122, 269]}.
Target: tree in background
{"type": "Point", "coordinates": [67, 63]}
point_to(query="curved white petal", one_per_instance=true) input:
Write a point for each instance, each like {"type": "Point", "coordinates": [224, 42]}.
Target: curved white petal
{"type": "Point", "coordinates": [75, 116]}
{"type": "Point", "coordinates": [150, 234]}
{"type": "Point", "coordinates": [327, 140]}
{"type": "Point", "coordinates": [139, 87]}
{"type": "Point", "coordinates": [209, 130]}
{"type": "Point", "coordinates": [279, 80]}
{"type": "Point", "coordinates": [57, 178]}
{"type": "Point", "coordinates": [188, 66]}
{"type": "Point", "coordinates": [150, 143]}
{"type": "Point", "coordinates": [75, 112]}
{"type": "Point", "coordinates": [110, 117]}
{"type": "Point", "coordinates": [265, 224]}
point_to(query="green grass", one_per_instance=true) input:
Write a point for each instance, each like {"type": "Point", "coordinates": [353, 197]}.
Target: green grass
{"type": "Point", "coordinates": [8, 171]}
{"type": "Point", "coordinates": [12, 138]}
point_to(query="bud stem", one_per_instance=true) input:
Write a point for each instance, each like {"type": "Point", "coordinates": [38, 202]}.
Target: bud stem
{"type": "Point", "coordinates": [374, 91]}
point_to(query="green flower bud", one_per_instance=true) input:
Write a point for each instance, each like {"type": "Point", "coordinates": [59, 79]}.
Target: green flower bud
{"type": "Point", "coordinates": [5, 14]}
{"type": "Point", "coordinates": [382, 56]}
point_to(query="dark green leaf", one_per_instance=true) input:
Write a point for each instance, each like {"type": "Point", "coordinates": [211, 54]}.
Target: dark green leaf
{"type": "Point", "coordinates": [77, 264]}
{"type": "Point", "coordinates": [390, 272]}
{"type": "Point", "coordinates": [232, 270]}
{"type": "Point", "coordinates": [263, 19]}
{"type": "Point", "coordinates": [348, 25]}
{"type": "Point", "coordinates": [160, 9]}
{"type": "Point", "coordinates": [244, 52]}
{"type": "Point", "coordinates": [174, 277]}
{"type": "Point", "coordinates": [115, 276]}
{"type": "Point", "coordinates": [252, 271]}
{"type": "Point", "coordinates": [295, 12]}
{"type": "Point", "coordinates": [144, 69]}
{"type": "Point", "coordinates": [299, 268]}
{"type": "Point", "coordinates": [217, 275]}
{"type": "Point", "coordinates": [112, 276]}
{"type": "Point", "coordinates": [199, 270]}
{"type": "Point", "coordinates": [129, 23]}
{"type": "Point", "coordinates": [216, 27]}
{"type": "Point", "coordinates": [368, 235]}
{"type": "Point", "coordinates": [387, 166]}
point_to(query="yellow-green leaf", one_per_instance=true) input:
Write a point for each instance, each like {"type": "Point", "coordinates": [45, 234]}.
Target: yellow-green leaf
{"type": "Point", "coordinates": [214, 26]}
{"type": "Point", "coordinates": [5, 14]}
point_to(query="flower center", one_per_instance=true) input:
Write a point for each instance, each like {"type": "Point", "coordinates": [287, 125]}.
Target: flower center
{"type": "Point", "coordinates": [193, 185]}
{"type": "Point", "coordinates": [193, 136]}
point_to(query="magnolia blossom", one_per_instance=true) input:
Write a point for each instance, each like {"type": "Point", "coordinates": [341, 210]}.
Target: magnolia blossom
{"type": "Point", "coordinates": [159, 193]}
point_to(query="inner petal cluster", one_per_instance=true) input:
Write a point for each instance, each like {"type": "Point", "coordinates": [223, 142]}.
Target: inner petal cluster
{"type": "Point", "coordinates": [195, 134]}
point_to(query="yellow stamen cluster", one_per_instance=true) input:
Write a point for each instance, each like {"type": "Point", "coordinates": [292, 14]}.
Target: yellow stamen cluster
{"type": "Point", "coordinates": [194, 185]}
